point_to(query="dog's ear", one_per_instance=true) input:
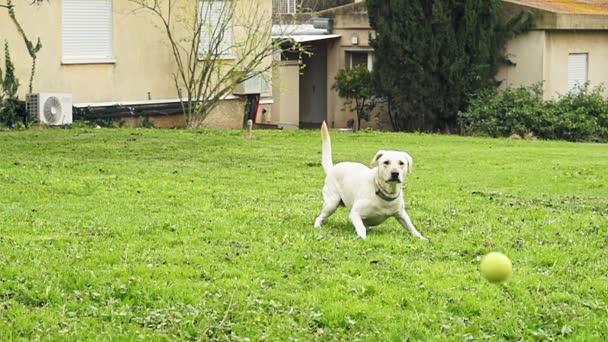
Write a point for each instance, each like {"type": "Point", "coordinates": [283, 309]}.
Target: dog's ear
{"type": "Point", "coordinates": [374, 161]}
{"type": "Point", "coordinates": [410, 162]}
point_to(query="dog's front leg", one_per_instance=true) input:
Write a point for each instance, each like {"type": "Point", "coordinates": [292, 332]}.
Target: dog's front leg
{"type": "Point", "coordinates": [357, 221]}
{"type": "Point", "coordinates": [406, 222]}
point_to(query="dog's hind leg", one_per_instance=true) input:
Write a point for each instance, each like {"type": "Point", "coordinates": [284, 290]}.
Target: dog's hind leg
{"type": "Point", "coordinates": [330, 204]}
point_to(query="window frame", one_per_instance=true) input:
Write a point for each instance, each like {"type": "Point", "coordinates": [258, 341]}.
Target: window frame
{"type": "Point", "coordinates": [349, 57]}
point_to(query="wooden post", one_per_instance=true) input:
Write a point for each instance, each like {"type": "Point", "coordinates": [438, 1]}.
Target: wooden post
{"type": "Point", "coordinates": [249, 129]}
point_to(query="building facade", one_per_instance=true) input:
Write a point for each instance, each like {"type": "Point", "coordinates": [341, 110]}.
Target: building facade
{"type": "Point", "coordinates": [568, 46]}
{"type": "Point", "coordinates": [108, 53]}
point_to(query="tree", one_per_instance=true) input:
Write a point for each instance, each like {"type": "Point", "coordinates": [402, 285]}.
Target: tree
{"type": "Point", "coordinates": [356, 84]}
{"type": "Point", "coordinates": [10, 110]}
{"type": "Point", "coordinates": [431, 54]}
{"type": "Point", "coordinates": [32, 48]}
{"type": "Point", "coordinates": [216, 45]}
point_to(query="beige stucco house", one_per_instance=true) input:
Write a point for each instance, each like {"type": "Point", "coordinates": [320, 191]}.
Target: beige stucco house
{"type": "Point", "coordinates": [568, 46]}
{"type": "Point", "coordinates": [107, 54]}
{"type": "Point", "coordinates": [334, 39]}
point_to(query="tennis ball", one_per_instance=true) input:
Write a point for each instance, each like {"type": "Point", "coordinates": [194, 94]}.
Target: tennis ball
{"type": "Point", "coordinates": [496, 267]}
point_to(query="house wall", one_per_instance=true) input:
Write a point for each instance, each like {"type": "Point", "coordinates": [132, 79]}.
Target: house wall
{"type": "Point", "coordinates": [335, 62]}
{"type": "Point", "coordinates": [527, 53]}
{"type": "Point", "coordinates": [229, 114]}
{"type": "Point", "coordinates": [286, 90]}
{"type": "Point", "coordinates": [349, 21]}
{"type": "Point", "coordinates": [542, 56]}
{"type": "Point", "coordinates": [560, 44]}
{"type": "Point", "coordinates": [143, 59]}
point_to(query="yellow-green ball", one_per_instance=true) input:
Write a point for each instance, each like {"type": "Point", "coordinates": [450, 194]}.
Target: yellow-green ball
{"type": "Point", "coordinates": [496, 267]}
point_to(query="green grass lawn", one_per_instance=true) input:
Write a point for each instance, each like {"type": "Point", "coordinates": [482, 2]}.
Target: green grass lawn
{"type": "Point", "coordinates": [174, 234]}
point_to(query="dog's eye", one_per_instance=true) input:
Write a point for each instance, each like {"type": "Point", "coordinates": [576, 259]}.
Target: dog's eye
{"type": "Point", "coordinates": [401, 163]}
{"type": "Point", "coordinates": [387, 163]}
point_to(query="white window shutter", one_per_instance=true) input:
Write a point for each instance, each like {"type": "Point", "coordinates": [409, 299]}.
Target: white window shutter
{"type": "Point", "coordinates": [284, 6]}
{"type": "Point", "coordinates": [87, 30]}
{"type": "Point", "coordinates": [577, 70]}
{"type": "Point", "coordinates": [289, 6]}
{"type": "Point", "coordinates": [215, 14]}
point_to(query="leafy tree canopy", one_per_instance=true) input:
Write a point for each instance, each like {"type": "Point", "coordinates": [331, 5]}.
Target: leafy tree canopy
{"type": "Point", "coordinates": [431, 53]}
{"type": "Point", "coordinates": [357, 84]}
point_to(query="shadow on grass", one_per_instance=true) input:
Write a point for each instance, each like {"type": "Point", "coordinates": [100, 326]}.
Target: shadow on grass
{"type": "Point", "coordinates": [345, 228]}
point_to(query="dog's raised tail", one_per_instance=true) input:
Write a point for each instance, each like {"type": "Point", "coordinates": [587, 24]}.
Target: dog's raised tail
{"type": "Point", "coordinates": [326, 149]}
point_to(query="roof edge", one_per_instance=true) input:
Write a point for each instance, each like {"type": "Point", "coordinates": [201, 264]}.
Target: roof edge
{"type": "Point", "coordinates": [341, 9]}
{"type": "Point", "coordinates": [552, 20]}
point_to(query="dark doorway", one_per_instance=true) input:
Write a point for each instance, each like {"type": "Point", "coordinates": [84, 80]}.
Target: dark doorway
{"type": "Point", "coordinates": [313, 85]}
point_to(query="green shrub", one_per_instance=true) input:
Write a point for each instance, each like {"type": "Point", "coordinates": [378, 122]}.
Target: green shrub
{"type": "Point", "coordinates": [356, 84]}
{"type": "Point", "coordinates": [580, 115]}
{"type": "Point", "coordinates": [494, 113]}
{"type": "Point", "coordinates": [12, 111]}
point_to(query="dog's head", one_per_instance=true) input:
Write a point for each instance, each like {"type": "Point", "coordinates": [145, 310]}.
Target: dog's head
{"type": "Point", "coordinates": [392, 165]}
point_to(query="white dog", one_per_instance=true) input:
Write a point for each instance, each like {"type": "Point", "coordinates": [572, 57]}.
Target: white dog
{"type": "Point", "coordinates": [371, 195]}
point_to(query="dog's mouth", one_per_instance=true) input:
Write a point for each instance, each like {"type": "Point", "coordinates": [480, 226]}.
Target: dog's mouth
{"type": "Point", "coordinates": [393, 180]}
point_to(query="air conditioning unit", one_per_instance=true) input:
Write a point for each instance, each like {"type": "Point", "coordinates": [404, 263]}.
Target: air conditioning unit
{"type": "Point", "coordinates": [51, 109]}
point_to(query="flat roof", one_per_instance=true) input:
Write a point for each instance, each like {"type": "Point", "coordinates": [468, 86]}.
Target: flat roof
{"type": "Point", "coordinates": [307, 37]}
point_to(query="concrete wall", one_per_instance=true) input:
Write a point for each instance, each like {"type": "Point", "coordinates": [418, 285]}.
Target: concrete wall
{"type": "Point", "coordinates": [286, 90]}
{"type": "Point", "coordinates": [349, 21]}
{"type": "Point", "coordinates": [335, 62]}
{"type": "Point", "coordinates": [527, 54]}
{"type": "Point", "coordinates": [543, 56]}
{"type": "Point", "coordinates": [228, 114]}
{"type": "Point", "coordinates": [560, 44]}
{"type": "Point", "coordinates": [144, 62]}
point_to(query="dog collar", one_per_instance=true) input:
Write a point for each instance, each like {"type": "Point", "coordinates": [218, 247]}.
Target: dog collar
{"type": "Point", "coordinates": [384, 196]}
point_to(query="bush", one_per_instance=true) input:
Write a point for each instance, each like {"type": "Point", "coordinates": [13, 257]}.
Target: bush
{"type": "Point", "coordinates": [12, 111]}
{"type": "Point", "coordinates": [357, 84]}
{"type": "Point", "coordinates": [580, 115]}
{"type": "Point", "coordinates": [515, 110]}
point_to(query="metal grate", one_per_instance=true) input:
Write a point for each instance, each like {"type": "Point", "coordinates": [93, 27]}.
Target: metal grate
{"type": "Point", "coordinates": [32, 105]}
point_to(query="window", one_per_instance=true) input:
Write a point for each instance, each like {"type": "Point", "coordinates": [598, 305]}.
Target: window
{"type": "Point", "coordinates": [216, 29]}
{"type": "Point", "coordinates": [354, 58]}
{"type": "Point", "coordinates": [87, 31]}
{"type": "Point", "coordinates": [577, 70]}
{"type": "Point", "coordinates": [283, 6]}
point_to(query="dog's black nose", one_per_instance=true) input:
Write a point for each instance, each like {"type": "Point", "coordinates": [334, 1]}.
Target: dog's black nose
{"type": "Point", "coordinates": [395, 175]}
